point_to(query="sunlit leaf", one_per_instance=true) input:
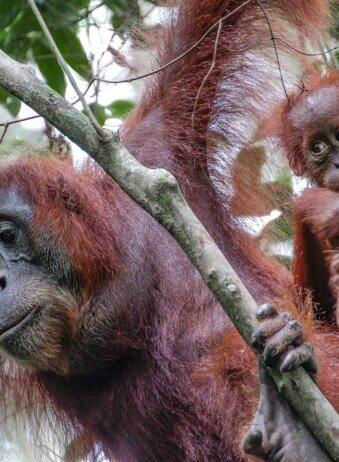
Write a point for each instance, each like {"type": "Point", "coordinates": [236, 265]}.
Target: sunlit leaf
{"type": "Point", "coordinates": [3, 95]}
{"type": "Point", "coordinates": [73, 52]}
{"type": "Point", "coordinates": [100, 113]}
{"type": "Point", "coordinates": [13, 104]}
{"type": "Point", "coordinates": [120, 108]}
{"type": "Point", "coordinates": [49, 67]}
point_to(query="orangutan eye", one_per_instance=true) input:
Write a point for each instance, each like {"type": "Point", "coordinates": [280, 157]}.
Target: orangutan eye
{"type": "Point", "coordinates": [337, 134]}
{"type": "Point", "coordinates": [318, 146]}
{"type": "Point", "coordinates": [8, 233]}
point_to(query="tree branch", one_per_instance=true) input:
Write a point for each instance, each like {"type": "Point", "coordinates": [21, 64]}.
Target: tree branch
{"type": "Point", "coordinates": [157, 191]}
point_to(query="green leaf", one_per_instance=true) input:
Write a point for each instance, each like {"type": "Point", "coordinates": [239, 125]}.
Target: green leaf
{"type": "Point", "coordinates": [49, 66]}
{"type": "Point", "coordinates": [9, 9]}
{"type": "Point", "coordinates": [120, 108]}
{"type": "Point", "coordinates": [125, 13]}
{"type": "Point", "coordinates": [61, 13]}
{"type": "Point", "coordinates": [3, 95]}
{"type": "Point", "coordinates": [13, 104]}
{"type": "Point", "coordinates": [100, 113]}
{"type": "Point", "coordinates": [3, 37]}
{"type": "Point", "coordinates": [284, 226]}
{"type": "Point", "coordinates": [16, 42]}
{"type": "Point", "coordinates": [24, 23]}
{"type": "Point", "coordinates": [19, 49]}
{"type": "Point", "coordinates": [73, 51]}
{"type": "Point", "coordinates": [109, 4]}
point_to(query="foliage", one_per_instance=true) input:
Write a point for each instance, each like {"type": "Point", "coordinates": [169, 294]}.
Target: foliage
{"type": "Point", "coordinates": [335, 26]}
{"type": "Point", "coordinates": [22, 38]}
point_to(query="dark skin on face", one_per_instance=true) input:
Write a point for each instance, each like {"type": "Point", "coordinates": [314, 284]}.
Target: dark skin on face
{"type": "Point", "coordinates": [31, 294]}
{"type": "Point", "coordinates": [323, 157]}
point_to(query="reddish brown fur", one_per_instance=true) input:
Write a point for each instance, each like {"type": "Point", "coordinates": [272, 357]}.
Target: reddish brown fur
{"type": "Point", "coordinates": [181, 383]}
{"type": "Point", "coordinates": [80, 216]}
{"type": "Point", "coordinates": [161, 133]}
{"type": "Point", "coordinates": [317, 230]}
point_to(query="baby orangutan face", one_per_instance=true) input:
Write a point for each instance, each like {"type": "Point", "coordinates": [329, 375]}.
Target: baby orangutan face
{"type": "Point", "coordinates": [315, 122]}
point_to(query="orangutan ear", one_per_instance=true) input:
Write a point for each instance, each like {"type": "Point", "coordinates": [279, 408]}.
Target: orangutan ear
{"type": "Point", "coordinates": [297, 164]}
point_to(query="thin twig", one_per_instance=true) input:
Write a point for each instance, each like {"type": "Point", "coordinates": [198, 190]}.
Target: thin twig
{"type": "Point", "coordinates": [256, 44]}
{"type": "Point", "coordinates": [210, 70]}
{"type": "Point", "coordinates": [17, 121]}
{"type": "Point", "coordinates": [4, 132]}
{"type": "Point", "coordinates": [274, 45]}
{"type": "Point", "coordinates": [303, 52]}
{"type": "Point", "coordinates": [196, 44]}
{"type": "Point", "coordinates": [87, 13]}
{"type": "Point", "coordinates": [101, 132]}
{"type": "Point", "coordinates": [239, 50]}
{"type": "Point", "coordinates": [175, 60]}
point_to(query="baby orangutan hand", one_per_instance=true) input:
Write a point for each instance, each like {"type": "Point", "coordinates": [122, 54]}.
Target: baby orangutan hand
{"type": "Point", "coordinates": [280, 340]}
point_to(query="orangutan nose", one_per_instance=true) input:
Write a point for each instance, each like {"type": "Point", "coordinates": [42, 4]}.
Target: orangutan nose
{"type": "Point", "coordinates": [3, 280]}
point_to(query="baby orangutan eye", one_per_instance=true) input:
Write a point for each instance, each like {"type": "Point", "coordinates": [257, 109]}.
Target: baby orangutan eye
{"type": "Point", "coordinates": [8, 233]}
{"type": "Point", "coordinates": [318, 146]}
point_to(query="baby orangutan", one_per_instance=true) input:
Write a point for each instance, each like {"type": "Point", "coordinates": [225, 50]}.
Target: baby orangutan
{"type": "Point", "coordinates": [309, 132]}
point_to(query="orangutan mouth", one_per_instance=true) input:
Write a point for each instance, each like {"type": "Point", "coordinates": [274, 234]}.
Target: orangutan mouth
{"type": "Point", "coordinates": [12, 329]}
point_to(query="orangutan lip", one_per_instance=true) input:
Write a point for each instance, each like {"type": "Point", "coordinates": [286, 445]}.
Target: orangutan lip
{"type": "Point", "coordinates": [17, 325]}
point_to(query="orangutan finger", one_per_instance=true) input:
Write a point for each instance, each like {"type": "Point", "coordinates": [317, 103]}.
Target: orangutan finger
{"type": "Point", "coordinates": [266, 311]}
{"type": "Point", "coordinates": [267, 328]}
{"type": "Point", "coordinates": [252, 443]}
{"type": "Point", "coordinates": [291, 333]}
{"type": "Point", "coordinates": [302, 355]}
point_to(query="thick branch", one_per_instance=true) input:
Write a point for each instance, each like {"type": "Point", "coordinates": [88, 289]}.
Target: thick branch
{"type": "Point", "coordinates": [158, 192]}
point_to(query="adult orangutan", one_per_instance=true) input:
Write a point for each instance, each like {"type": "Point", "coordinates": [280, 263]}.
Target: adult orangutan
{"type": "Point", "coordinates": [103, 320]}
{"type": "Point", "coordinates": [114, 331]}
